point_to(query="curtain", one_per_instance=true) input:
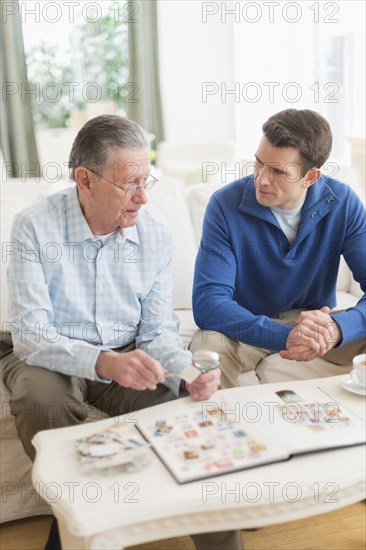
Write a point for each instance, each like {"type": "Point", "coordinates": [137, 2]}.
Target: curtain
{"type": "Point", "coordinates": [18, 142]}
{"type": "Point", "coordinates": [144, 101]}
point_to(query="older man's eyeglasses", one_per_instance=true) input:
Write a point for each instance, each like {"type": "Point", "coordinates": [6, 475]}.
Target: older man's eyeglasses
{"type": "Point", "coordinates": [130, 188]}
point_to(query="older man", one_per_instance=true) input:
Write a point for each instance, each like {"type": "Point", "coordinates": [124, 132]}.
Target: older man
{"type": "Point", "coordinates": [90, 297]}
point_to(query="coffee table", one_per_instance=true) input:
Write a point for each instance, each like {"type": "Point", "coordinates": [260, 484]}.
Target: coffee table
{"type": "Point", "coordinates": [115, 510]}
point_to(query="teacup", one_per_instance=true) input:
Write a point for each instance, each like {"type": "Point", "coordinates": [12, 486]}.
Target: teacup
{"type": "Point", "coordinates": [358, 373]}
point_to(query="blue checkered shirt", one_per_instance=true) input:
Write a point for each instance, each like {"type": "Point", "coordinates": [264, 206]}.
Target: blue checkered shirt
{"type": "Point", "coordinates": [72, 296]}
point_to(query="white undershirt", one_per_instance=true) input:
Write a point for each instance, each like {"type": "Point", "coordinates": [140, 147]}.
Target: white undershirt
{"type": "Point", "coordinates": [289, 221]}
{"type": "Point", "coordinates": [104, 238]}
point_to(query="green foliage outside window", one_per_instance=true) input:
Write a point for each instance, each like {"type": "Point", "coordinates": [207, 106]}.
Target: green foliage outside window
{"type": "Point", "coordinates": [92, 67]}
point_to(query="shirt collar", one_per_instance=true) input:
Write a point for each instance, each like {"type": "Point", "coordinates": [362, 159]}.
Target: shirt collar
{"type": "Point", "coordinates": [77, 226]}
{"type": "Point", "coordinates": [131, 233]}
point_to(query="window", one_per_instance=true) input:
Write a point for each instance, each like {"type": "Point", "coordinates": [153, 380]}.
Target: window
{"type": "Point", "coordinates": [77, 59]}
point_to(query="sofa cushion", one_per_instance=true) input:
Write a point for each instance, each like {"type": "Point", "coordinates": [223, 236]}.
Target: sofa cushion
{"type": "Point", "coordinates": [196, 161]}
{"type": "Point", "coordinates": [345, 299]}
{"type": "Point", "coordinates": [344, 276]}
{"type": "Point", "coordinates": [167, 202]}
{"type": "Point", "coordinates": [15, 196]}
{"type": "Point", "coordinates": [9, 207]}
{"type": "Point", "coordinates": [187, 326]}
{"type": "Point", "coordinates": [197, 198]}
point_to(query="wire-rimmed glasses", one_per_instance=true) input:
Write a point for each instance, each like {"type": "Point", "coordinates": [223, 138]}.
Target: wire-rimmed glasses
{"type": "Point", "coordinates": [130, 188]}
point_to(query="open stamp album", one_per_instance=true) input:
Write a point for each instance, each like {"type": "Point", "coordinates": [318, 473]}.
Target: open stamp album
{"type": "Point", "coordinates": [210, 438]}
{"type": "Point", "coordinates": [216, 438]}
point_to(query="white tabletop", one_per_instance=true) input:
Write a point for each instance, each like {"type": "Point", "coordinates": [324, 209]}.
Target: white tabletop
{"type": "Point", "coordinates": [150, 504]}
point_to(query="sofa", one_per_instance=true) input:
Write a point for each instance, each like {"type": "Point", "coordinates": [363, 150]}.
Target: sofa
{"type": "Point", "coordinates": [198, 161]}
{"type": "Point", "coordinates": [181, 208]}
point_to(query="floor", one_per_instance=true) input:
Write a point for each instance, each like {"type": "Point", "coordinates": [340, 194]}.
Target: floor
{"type": "Point", "coordinates": [344, 529]}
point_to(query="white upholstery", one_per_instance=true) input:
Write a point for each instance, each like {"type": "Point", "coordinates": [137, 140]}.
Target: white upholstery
{"type": "Point", "coordinates": [168, 204]}
{"type": "Point", "coordinates": [198, 161]}
{"type": "Point", "coordinates": [181, 208]}
{"type": "Point", "coordinates": [19, 499]}
{"type": "Point", "coordinates": [16, 195]}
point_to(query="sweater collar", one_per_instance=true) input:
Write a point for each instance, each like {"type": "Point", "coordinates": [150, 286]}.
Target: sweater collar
{"type": "Point", "coordinates": [320, 199]}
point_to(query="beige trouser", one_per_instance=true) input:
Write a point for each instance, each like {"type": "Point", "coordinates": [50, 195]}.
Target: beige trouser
{"type": "Point", "coordinates": [42, 399]}
{"type": "Point", "coordinates": [243, 364]}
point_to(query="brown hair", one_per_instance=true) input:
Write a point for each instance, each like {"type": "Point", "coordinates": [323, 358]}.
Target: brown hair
{"type": "Point", "coordinates": [304, 130]}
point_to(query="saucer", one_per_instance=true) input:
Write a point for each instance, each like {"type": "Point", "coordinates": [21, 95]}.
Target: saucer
{"type": "Point", "coordinates": [349, 385]}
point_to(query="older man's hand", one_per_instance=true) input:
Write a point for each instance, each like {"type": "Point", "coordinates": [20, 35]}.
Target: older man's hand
{"type": "Point", "coordinates": [133, 369]}
{"type": "Point", "coordinates": [314, 334]}
{"type": "Point", "coordinates": [205, 385]}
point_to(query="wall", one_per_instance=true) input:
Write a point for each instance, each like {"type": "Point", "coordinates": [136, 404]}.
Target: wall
{"type": "Point", "coordinates": [202, 42]}
{"type": "Point", "coordinates": [193, 52]}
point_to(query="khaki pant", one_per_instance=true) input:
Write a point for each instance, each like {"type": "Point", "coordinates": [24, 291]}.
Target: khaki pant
{"type": "Point", "coordinates": [244, 365]}
{"type": "Point", "coordinates": [43, 399]}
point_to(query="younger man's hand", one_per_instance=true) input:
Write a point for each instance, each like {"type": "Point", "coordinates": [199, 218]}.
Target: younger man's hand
{"type": "Point", "coordinates": [205, 385]}
{"type": "Point", "coordinates": [314, 334]}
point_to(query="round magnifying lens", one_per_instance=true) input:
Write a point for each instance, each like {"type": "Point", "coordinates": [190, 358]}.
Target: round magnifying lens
{"type": "Point", "coordinates": [206, 360]}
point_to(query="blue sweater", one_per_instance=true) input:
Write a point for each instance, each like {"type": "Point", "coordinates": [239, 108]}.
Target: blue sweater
{"type": "Point", "coordinates": [246, 271]}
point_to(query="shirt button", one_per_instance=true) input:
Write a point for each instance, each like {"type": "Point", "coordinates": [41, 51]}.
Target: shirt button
{"type": "Point", "coordinates": [100, 287]}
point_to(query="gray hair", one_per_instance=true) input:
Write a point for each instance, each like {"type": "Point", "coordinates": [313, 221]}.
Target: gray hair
{"type": "Point", "coordinates": [102, 135]}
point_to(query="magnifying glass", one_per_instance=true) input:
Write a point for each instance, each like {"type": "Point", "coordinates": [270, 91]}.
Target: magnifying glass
{"type": "Point", "coordinates": [202, 361]}
{"type": "Point", "coordinates": [205, 360]}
